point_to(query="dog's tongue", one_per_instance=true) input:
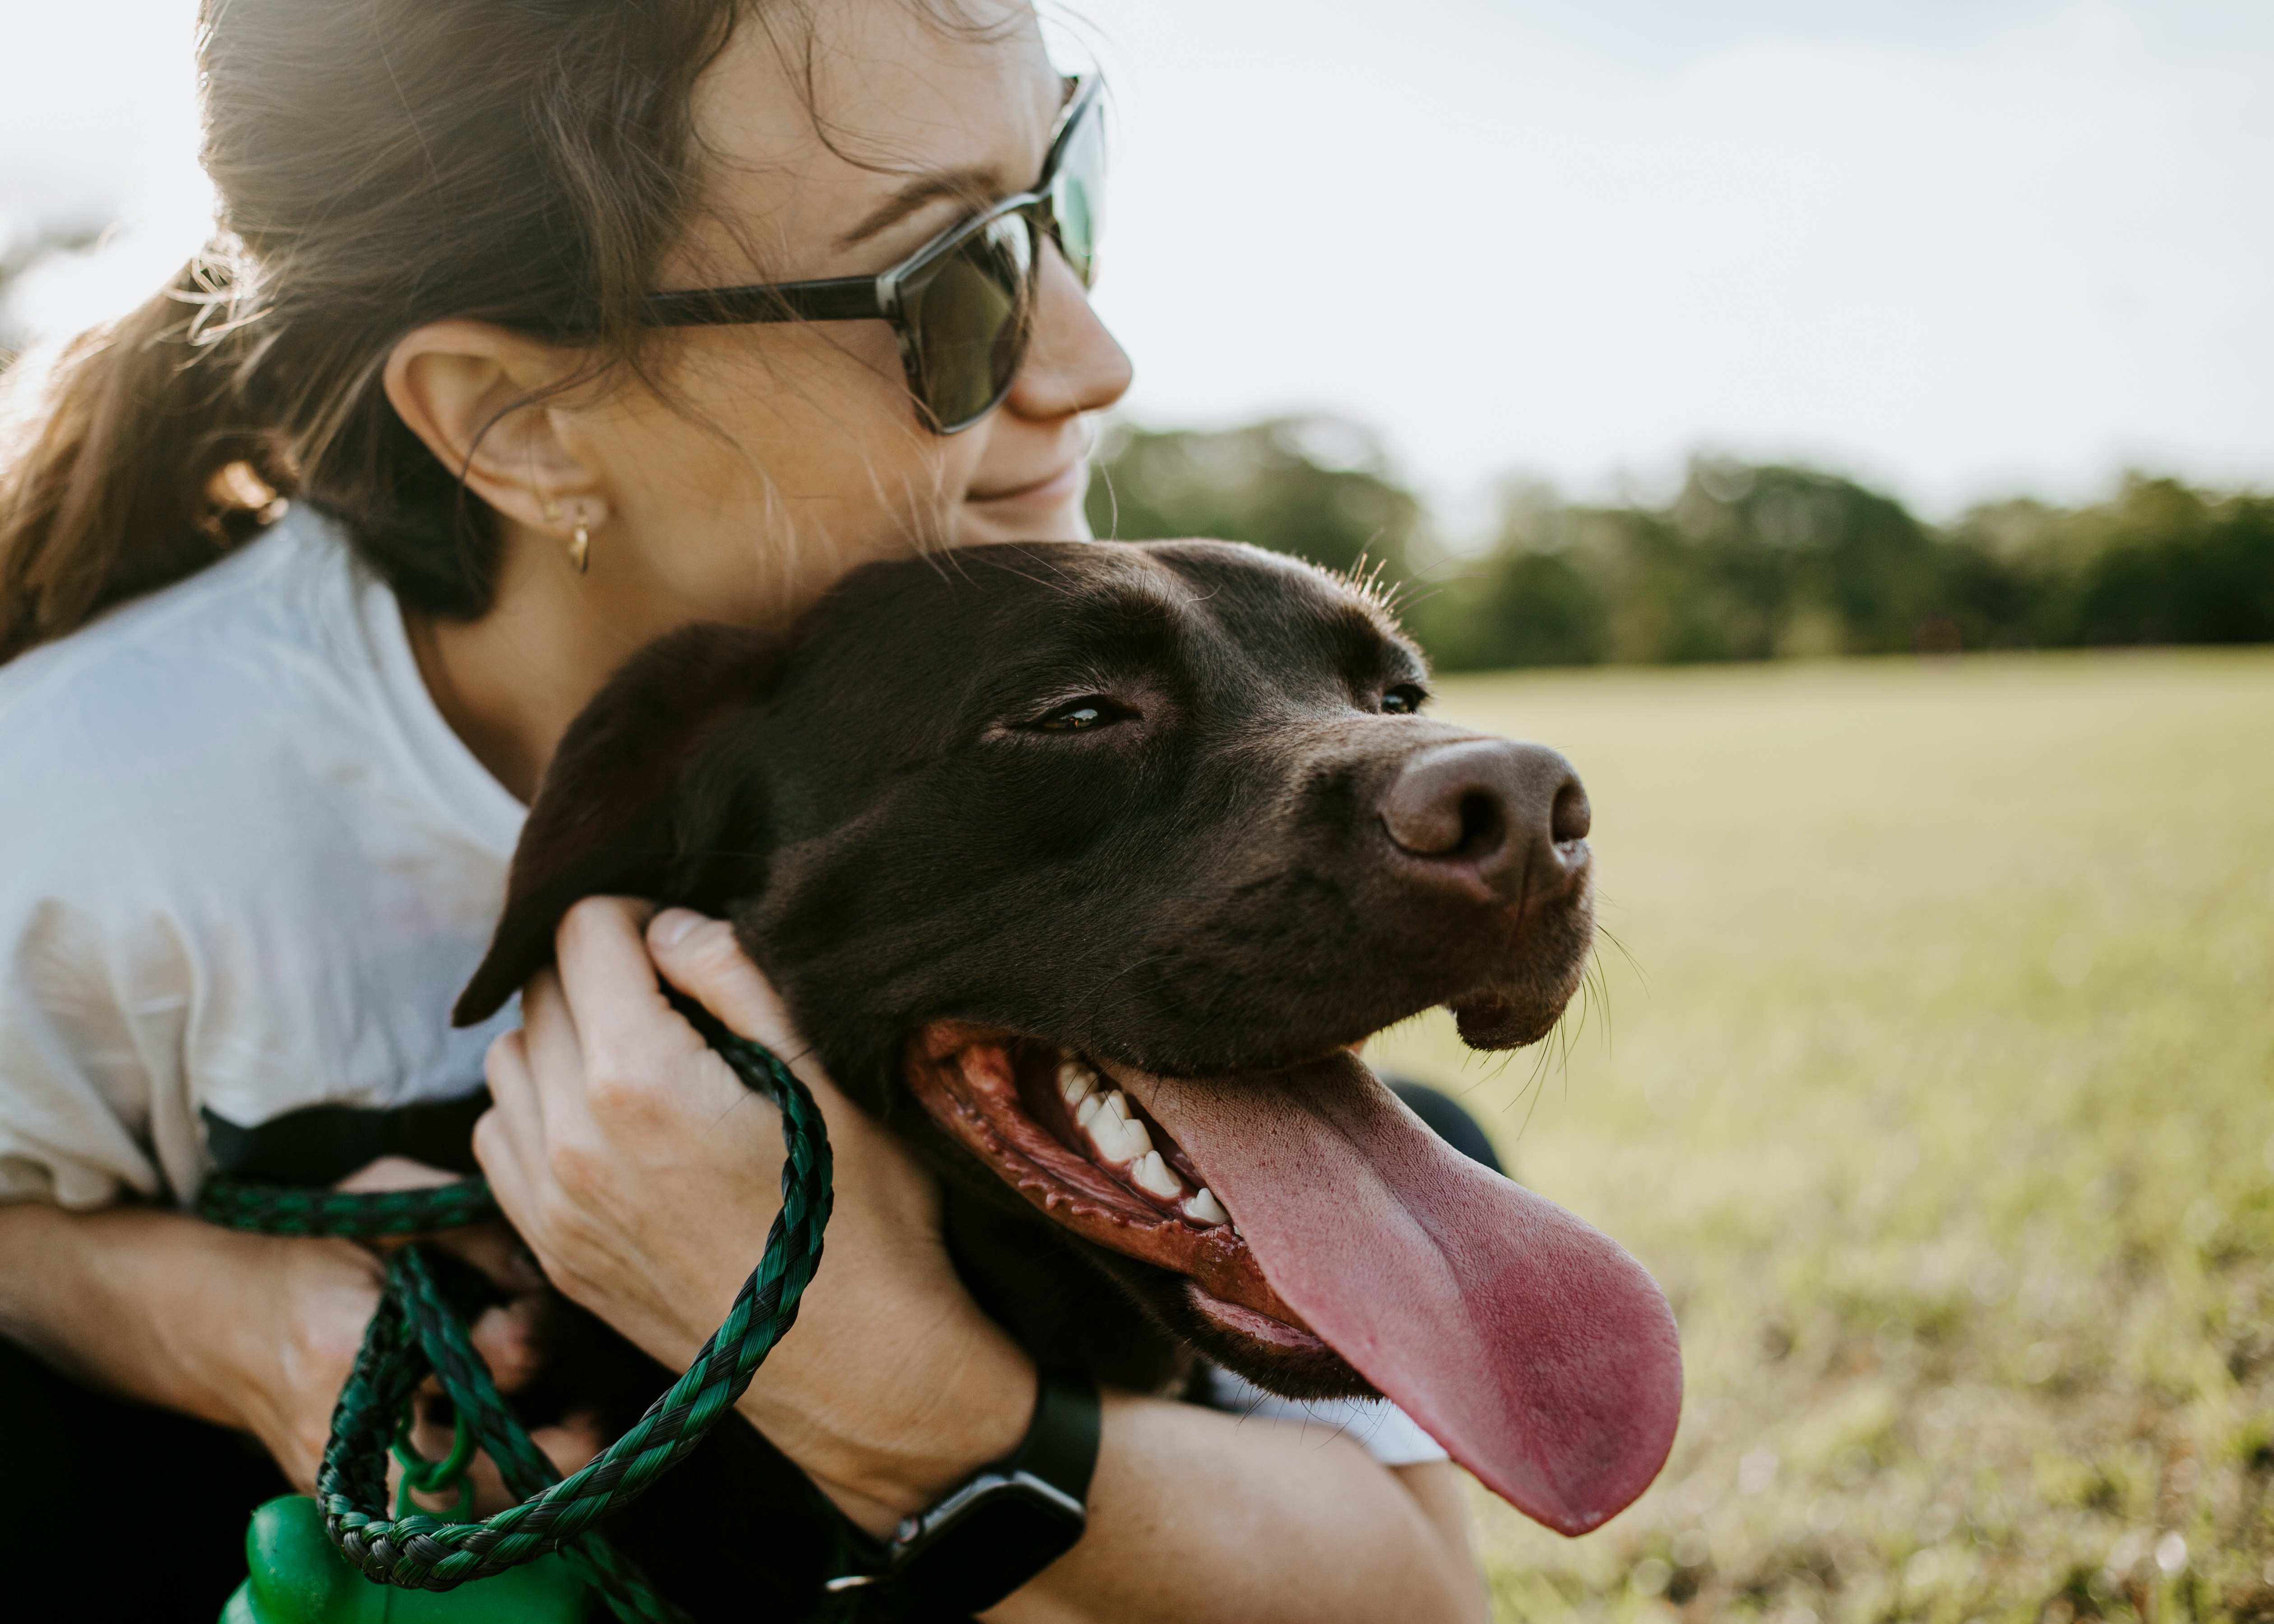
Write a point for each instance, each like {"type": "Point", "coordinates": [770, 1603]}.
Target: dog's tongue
{"type": "Point", "coordinates": [1531, 1346]}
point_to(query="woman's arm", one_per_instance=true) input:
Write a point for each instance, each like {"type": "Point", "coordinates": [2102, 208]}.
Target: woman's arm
{"type": "Point", "coordinates": [252, 1331]}
{"type": "Point", "coordinates": [1198, 1515]}
{"type": "Point", "coordinates": [248, 1331]}
{"type": "Point", "coordinates": [644, 1176]}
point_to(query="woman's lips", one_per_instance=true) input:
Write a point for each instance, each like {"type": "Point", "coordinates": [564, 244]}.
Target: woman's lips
{"type": "Point", "coordinates": [1061, 486]}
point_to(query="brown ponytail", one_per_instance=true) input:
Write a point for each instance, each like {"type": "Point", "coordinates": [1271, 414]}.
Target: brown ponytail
{"type": "Point", "coordinates": [381, 164]}
{"type": "Point", "coordinates": [135, 469]}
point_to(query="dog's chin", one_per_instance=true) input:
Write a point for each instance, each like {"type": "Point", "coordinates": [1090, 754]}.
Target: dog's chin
{"type": "Point", "coordinates": [1524, 1008]}
{"type": "Point", "coordinates": [1287, 1359]}
{"type": "Point", "coordinates": [1504, 1023]}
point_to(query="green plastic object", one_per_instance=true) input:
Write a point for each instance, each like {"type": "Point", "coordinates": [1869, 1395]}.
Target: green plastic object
{"type": "Point", "coordinates": [298, 1578]}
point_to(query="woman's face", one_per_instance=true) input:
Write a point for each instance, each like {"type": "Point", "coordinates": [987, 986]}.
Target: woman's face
{"type": "Point", "coordinates": [779, 455]}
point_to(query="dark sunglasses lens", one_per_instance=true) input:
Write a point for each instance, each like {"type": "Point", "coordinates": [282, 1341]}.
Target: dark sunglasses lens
{"type": "Point", "coordinates": [1078, 194]}
{"type": "Point", "coordinates": [969, 321]}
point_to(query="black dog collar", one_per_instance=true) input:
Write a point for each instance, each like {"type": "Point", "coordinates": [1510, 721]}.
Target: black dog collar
{"type": "Point", "coordinates": [1007, 1522]}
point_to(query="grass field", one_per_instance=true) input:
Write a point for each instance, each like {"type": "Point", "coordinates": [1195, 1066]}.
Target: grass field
{"type": "Point", "coordinates": [1936, 1085]}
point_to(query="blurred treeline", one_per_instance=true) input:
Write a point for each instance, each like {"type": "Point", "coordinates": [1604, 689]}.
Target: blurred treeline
{"type": "Point", "coordinates": [1746, 562]}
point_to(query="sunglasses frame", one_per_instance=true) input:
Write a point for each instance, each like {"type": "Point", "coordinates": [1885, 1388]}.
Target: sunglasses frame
{"type": "Point", "coordinates": [881, 297]}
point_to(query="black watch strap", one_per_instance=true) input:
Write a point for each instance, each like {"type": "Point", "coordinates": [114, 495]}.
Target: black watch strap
{"type": "Point", "coordinates": [1060, 1446]}
{"type": "Point", "coordinates": [1001, 1526]}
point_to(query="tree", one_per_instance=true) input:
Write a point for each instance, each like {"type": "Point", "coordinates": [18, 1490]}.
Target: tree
{"type": "Point", "coordinates": [1746, 562]}
{"type": "Point", "coordinates": [1318, 488]}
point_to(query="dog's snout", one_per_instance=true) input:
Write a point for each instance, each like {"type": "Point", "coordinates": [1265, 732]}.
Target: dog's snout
{"type": "Point", "coordinates": [1493, 808]}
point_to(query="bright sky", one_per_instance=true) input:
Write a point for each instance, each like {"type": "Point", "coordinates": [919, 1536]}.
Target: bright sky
{"type": "Point", "coordinates": [1961, 247]}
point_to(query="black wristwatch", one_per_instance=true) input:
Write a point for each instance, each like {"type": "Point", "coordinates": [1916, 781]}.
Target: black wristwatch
{"type": "Point", "coordinates": [1005, 1523]}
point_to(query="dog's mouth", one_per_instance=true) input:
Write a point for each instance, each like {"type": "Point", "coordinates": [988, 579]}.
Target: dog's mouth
{"type": "Point", "coordinates": [1310, 1212]}
{"type": "Point", "coordinates": [1061, 1133]}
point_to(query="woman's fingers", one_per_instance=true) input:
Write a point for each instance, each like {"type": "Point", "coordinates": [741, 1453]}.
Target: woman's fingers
{"type": "Point", "coordinates": [495, 1250]}
{"type": "Point", "coordinates": [607, 984]}
{"type": "Point", "coordinates": [553, 1053]}
{"type": "Point", "coordinates": [572, 1442]}
{"type": "Point", "coordinates": [642, 1072]}
{"type": "Point", "coordinates": [510, 1339]}
{"type": "Point", "coordinates": [509, 1137]}
{"type": "Point", "coordinates": [432, 1439]}
{"type": "Point", "coordinates": [702, 958]}
{"type": "Point", "coordinates": [597, 948]}
{"type": "Point", "coordinates": [395, 1173]}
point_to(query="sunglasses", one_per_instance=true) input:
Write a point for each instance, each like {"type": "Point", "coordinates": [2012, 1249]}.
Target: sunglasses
{"type": "Point", "coordinates": [963, 304]}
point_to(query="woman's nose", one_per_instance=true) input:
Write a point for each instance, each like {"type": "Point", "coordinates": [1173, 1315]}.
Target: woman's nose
{"type": "Point", "coordinates": [1072, 363]}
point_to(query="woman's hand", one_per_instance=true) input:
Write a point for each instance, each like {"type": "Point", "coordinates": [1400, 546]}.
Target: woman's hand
{"type": "Point", "coordinates": [510, 1338]}
{"type": "Point", "coordinates": [294, 1350]}
{"type": "Point", "coordinates": [644, 1176]}
{"type": "Point", "coordinates": [300, 1342]}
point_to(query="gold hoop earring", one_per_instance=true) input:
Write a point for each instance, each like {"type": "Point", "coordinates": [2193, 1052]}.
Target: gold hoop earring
{"type": "Point", "coordinates": [580, 548]}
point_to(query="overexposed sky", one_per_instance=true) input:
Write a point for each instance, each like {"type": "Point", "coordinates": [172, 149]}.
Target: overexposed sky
{"type": "Point", "coordinates": [1959, 247]}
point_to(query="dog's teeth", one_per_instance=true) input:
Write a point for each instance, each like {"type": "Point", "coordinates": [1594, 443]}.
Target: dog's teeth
{"type": "Point", "coordinates": [1076, 1081]}
{"type": "Point", "coordinates": [1152, 1176]}
{"type": "Point", "coordinates": [1119, 1140]}
{"type": "Point", "coordinates": [1130, 1140]}
{"type": "Point", "coordinates": [1205, 1208]}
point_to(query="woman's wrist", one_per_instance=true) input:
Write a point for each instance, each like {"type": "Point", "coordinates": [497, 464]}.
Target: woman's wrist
{"type": "Point", "coordinates": [883, 1448]}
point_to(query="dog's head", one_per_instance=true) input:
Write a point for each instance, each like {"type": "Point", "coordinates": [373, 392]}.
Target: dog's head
{"type": "Point", "coordinates": [1084, 866]}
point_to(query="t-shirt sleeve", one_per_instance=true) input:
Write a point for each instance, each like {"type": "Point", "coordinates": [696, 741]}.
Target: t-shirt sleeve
{"type": "Point", "coordinates": [245, 867]}
{"type": "Point", "coordinates": [83, 1057]}
{"type": "Point", "coordinates": [95, 980]}
{"type": "Point", "coordinates": [1376, 1426]}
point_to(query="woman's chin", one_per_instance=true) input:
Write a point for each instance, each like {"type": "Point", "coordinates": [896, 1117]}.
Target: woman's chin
{"type": "Point", "coordinates": [1052, 513]}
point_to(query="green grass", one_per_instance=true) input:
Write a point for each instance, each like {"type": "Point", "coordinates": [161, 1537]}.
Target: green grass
{"type": "Point", "coordinates": [1935, 1082]}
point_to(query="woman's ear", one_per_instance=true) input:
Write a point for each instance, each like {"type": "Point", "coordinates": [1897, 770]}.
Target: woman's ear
{"type": "Point", "coordinates": [465, 389]}
{"type": "Point", "coordinates": [624, 810]}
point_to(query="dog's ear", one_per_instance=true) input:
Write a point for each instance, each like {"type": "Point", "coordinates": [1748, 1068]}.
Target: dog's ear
{"type": "Point", "coordinates": [610, 816]}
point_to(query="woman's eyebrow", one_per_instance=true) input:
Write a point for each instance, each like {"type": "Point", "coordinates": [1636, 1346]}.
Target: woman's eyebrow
{"type": "Point", "coordinates": [974, 185]}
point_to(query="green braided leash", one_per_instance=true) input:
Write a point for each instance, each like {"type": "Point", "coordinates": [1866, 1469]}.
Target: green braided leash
{"type": "Point", "coordinates": [414, 1332]}
{"type": "Point", "coordinates": [295, 1209]}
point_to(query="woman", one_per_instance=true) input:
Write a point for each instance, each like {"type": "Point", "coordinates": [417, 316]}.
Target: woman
{"type": "Point", "coordinates": [259, 813]}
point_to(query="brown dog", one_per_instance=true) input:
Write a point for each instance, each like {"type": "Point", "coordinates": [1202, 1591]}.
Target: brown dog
{"type": "Point", "coordinates": [1084, 866]}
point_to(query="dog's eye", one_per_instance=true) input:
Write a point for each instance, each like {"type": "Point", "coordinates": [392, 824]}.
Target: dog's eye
{"type": "Point", "coordinates": [1081, 715]}
{"type": "Point", "coordinates": [1404, 699]}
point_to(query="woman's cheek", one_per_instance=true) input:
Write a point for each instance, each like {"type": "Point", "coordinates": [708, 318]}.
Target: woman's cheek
{"type": "Point", "coordinates": [780, 467]}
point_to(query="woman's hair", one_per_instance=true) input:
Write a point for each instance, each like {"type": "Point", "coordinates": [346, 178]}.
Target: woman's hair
{"type": "Point", "coordinates": [380, 165]}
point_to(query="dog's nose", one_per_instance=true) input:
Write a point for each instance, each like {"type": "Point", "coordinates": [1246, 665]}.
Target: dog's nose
{"type": "Point", "coordinates": [1513, 815]}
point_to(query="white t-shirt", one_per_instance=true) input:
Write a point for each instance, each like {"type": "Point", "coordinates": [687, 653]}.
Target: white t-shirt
{"type": "Point", "coordinates": [248, 867]}
{"type": "Point", "coordinates": [1376, 1426]}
